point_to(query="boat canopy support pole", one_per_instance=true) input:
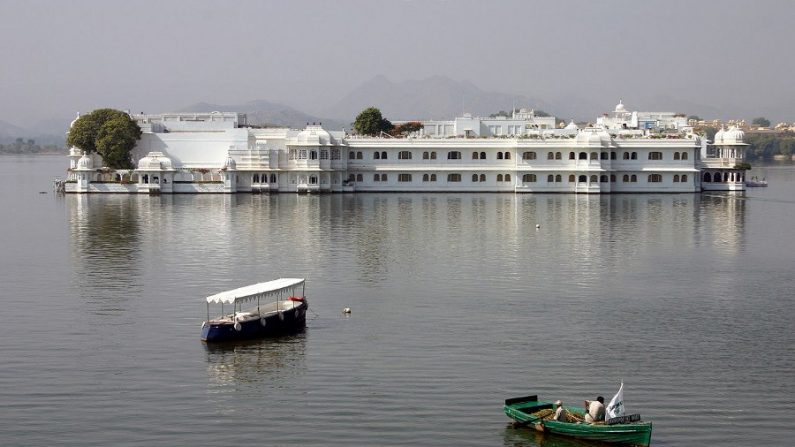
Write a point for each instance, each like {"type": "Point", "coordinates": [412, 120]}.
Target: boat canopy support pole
{"type": "Point", "coordinates": [208, 311]}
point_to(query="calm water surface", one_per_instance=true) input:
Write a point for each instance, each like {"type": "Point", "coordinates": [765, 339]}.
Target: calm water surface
{"type": "Point", "coordinates": [458, 303]}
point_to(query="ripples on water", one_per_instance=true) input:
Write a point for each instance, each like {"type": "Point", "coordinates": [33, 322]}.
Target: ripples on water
{"type": "Point", "coordinates": [458, 303]}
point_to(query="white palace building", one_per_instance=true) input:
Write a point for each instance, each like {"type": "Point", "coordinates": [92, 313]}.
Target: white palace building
{"type": "Point", "coordinates": [624, 152]}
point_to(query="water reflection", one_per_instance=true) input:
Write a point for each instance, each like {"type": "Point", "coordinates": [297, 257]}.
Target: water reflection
{"type": "Point", "coordinates": [232, 365]}
{"type": "Point", "coordinates": [525, 436]}
{"type": "Point", "coordinates": [105, 237]}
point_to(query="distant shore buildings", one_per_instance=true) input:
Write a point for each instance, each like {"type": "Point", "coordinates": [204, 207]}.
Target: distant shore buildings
{"type": "Point", "coordinates": [623, 152]}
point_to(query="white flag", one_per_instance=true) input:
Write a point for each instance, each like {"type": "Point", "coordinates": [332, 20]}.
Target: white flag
{"type": "Point", "coordinates": [616, 406]}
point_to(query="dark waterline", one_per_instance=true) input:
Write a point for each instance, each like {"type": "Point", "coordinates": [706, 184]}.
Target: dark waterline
{"type": "Point", "coordinates": [458, 303]}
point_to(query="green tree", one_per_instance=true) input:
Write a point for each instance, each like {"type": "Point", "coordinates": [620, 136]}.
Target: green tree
{"type": "Point", "coordinates": [761, 122]}
{"type": "Point", "coordinates": [110, 133]}
{"type": "Point", "coordinates": [694, 117]}
{"type": "Point", "coordinates": [371, 122]}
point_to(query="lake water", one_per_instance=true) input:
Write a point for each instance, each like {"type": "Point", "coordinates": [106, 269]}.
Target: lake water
{"type": "Point", "coordinates": [458, 302]}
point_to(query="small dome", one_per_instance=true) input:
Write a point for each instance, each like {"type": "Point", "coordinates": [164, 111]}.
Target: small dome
{"type": "Point", "coordinates": [314, 135]}
{"type": "Point", "coordinates": [230, 163]}
{"type": "Point", "coordinates": [733, 136]}
{"type": "Point", "coordinates": [74, 120]}
{"type": "Point", "coordinates": [85, 162]}
{"type": "Point", "coordinates": [718, 139]}
{"type": "Point", "coordinates": [74, 152]}
{"type": "Point", "coordinates": [155, 161]}
{"type": "Point", "coordinates": [571, 126]}
{"type": "Point", "coordinates": [620, 107]}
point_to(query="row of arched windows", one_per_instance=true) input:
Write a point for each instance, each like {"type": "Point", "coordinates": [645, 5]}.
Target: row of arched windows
{"type": "Point", "coordinates": [263, 179]}
{"type": "Point", "coordinates": [727, 177]}
{"type": "Point", "coordinates": [529, 155]}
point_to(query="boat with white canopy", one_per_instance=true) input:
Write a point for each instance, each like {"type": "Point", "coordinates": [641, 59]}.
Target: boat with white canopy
{"type": "Point", "coordinates": [280, 309]}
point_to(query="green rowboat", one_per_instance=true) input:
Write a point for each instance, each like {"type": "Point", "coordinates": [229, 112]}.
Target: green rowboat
{"type": "Point", "coordinates": [627, 430]}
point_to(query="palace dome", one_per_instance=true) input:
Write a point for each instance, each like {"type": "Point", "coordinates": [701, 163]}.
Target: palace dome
{"type": "Point", "coordinates": [593, 137]}
{"type": "Point", "coordinates": [85, 162]}
{"type": "Point", "coordinates": [571, 126]}
{"type": "Point", "coordinates": [718, 139]}
{"type": "Point", "coordinates": [620, 107]}
{"type": "Point", "coordinates": [155, 161]}
{"type": "Point", "coordinates": [733, 136]}
{"type": "Point", "coordinates": [230, 163]}
{"type": "Point", "coordinates": [314, 135]}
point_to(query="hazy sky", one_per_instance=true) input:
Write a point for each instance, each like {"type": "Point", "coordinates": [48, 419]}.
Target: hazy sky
{"type": "Point", "coordinates": [59, 57]}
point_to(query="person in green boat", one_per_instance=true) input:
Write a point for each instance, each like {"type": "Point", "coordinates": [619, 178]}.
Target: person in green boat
{"type": "Point", "coordinates": [595, 410]}
{"type": "Point", "coordinates": [560, 412]}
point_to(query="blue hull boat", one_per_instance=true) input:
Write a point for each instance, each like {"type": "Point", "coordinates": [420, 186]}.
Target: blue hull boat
{"type": "Point", "coordinates": [283, 316]}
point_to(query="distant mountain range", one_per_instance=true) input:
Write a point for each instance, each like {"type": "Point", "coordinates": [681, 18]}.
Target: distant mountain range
{"type": "Point", "coordinates": [436, 97]}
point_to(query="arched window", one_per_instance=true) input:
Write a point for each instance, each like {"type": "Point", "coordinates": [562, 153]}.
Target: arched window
{"type": "Point", "coordinates": [359, 155]}
{"type": "Point", "coordinates": [583, 179]}
{"type": "Point", "coordinates": [313, 155]}
{"type": "Point", "coordinates": [625, 179]}
{"type": "Point", "coordinates": [312, 180]}
{"type": "Point", "coordinates": [594, 156]}
{"type": "Point", "coordinates": [583, 156]}
{"type": "Point", "coordinates": [655, 156]}
{"type": "Point", "coordinates": [359, 178]}
{"type": "Point", "coordinates": [684, 178]}
{"type": "Point", "coordinates": [404, 155]}
{"type": "Point", "coordinates": [433, 177]}
{"type": "Point", "coordinates": [377, 156]}
{"type": "Point", "coordinates": [482, 177]}
{"type": "Point", "coordinates": [633, 178]}
{"type": "Point", "coordinates": [529, 155]}
{"type": "Point", "coordinates": [594, 178]}
{"type": "Point", "coordinates": [612, 155]}
{"type": "Point", "coordinates": [717, 178]}
{"type": "Point", "coordinates": [529, 178]}
{"type": "Point", "coordinates": [255, 178]}
{"type": "Point", "coordinates": [474, 178]}
{"type": "Point", "coordinates": [453, 177]}
{"type": "Point", "coordinates": [655, 178]}
{"type": "Point", "coordinates": [572, 156]}
{"type": "Point", "coordinates": [351, 178]}
{"type": "Point", "coordinates": [433, 155]}
{"type": "Point", "coordinates": [550, 178]}
{"type": "Point", "coordinates": [145, 178]}
{"type": "Point", "coordinates": [707, 177]}
{"type": "Point", "coordinates": [634, 156]}
{"type": "Point", "coordinates": [676, 176]}
{"type": "Point", "coordinates": [499, 155]}
{"type": "Point", "coordinates": [404, 178]}
{"type": "Point", "coordinates": [383, 155]}
{"type": "Point", "coordinates": [604, 156]}
{"type": "Point", "coordinates": [499, 177]}
{"type": "Point", "coordinates": [482, 155]}
{"type": "Point", "coordinates": [351, 155]}
{"type": "Point", "coordinates": [425, 155]}
{"type": "Point", "coordinates": [625, 156]}
{"type": "Point", "coordinates": [558, 156]}
{"type": "Point", "coordinates": [383, 177]}
{"type": "Point", "coordinates": [376, 177]}
{"type": "Point", "coordinates": [425, 177]}
{"type": "Point", "coordinates": [558, 178]}
{"type": "Point", "coordinates": [684, 155]}
{"type": "Point", "coordinates": [507, 177]}
{"type": "Point", "coordinates": [603, 179]}
{"type": "Point", "coordinates": [507, 155]}
{"type": "Point", "coordinates": [475, 155]}
{"type": "Point", "coordinates": [572, 178]}
{"type": "Point", "coordinates": [676, 156]}
{"type": "Point", "coordinates": [550, 156]}
{"type": "Point", "coordinates": [454, 155]}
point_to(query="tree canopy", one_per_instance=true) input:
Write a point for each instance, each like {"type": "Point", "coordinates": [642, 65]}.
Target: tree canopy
{"type": "Point", "coordinates": [371, 122]}
{"type": "Point", "coordinates": [406, 128]}
{"type": "Point", "coordinates": [761, 122]}
{"type": "Point", "coordinates": [110, 133]}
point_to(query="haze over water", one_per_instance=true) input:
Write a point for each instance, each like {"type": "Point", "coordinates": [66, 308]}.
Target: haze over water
{"type": "Point", "coordinates": [458, 302]}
